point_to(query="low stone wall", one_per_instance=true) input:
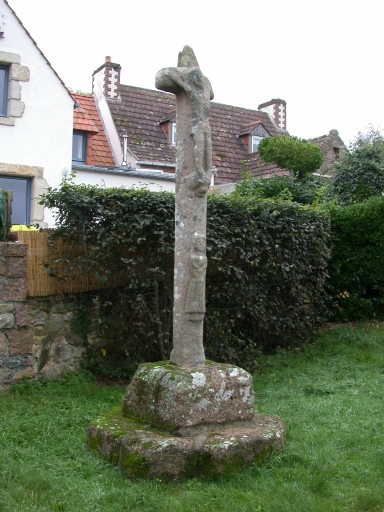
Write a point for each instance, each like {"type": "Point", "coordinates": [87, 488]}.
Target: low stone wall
{"type": "Point", "coordinates": [37, 335]}
{"type": "Point", "coordinates": [57, 347]}
{"type": "Point", "coordinates": [16, 338]}
{"type": "Point", "coordinates": [41, 336]}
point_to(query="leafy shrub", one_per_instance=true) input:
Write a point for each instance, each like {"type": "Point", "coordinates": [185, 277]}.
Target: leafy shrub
{"type": "Point", "coordinates": [360, 172]}
{"type": "Point", "coordinates": [309, 191]}
{"type": "Point", "coordinates": [356, 284]}
{"type": "Point", "coordinates": [297, 155]}
{"type": "Point", "coordinates": [266, 271]}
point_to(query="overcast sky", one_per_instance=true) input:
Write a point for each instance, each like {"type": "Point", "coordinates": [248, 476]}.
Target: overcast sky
{"type": "Point", "coordinates": [324, 59]}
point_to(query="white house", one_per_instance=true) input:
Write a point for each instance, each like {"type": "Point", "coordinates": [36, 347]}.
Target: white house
{"type": "Point", "coordinates": [36, 121]}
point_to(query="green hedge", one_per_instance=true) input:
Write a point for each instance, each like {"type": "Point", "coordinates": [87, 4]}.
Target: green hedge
{"type": "Point", "coordinates": [356, 284]}
{"type": "Point", "coordinates": [267, 265]}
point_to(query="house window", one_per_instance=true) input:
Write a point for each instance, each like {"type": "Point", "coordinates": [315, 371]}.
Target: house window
{"type": "Point", "coordinates": [79, 146]}
{"type": "Point", "coordinates": [255, 143]}
{"type": "Point", "coordinates": [173, 134]}
{"type": "Point", "coordinates": [21, 198]}
{"type": "Point", "coordinates": [3, 90]}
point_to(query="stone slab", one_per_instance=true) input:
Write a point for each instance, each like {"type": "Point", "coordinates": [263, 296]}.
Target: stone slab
{"type": "Point", "coordinates": [20, 342]}
{"type": "Point", "coordinates": [15, 290]}
{"type": "Point", "coordinates": [18, 72]}
{"type": "Point", "coordinates": [22, 318]}
{"type": "Point", "coordinates": [17, 249]}
{"type": "Point", "coordinates": [17, 267]}
{"type": "Point", "coordinates": [173, 397]}
{"type": "Point", "coordinates": [7, 308]}
{"type": "Point", "coordinates": [11, 58]}
{"type": "Point", "coordinates": [142, 451]}
{"type": "Point", "coordinates": [7, 321]}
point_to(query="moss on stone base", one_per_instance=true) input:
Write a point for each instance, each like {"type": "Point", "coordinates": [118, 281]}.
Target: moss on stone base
{"type": "Point", "coordinates": [143, 451]}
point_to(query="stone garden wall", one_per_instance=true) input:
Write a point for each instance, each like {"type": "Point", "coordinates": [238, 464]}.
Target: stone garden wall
{"type": "Point", "coordinates": [37, 335]}
{"type": "Point", "coordinates": [16, 337]}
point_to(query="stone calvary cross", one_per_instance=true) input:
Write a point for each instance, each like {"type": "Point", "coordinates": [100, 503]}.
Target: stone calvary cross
{"type": "Point", "coordinates": [186, 417]}
{"type": "Point", "coordinates": [193, 177]}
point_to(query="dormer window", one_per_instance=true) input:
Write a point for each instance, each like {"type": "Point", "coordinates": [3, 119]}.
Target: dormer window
{"type": "Point", "coordinates": [79, 146]}
{"type": "Point", "coordinates": [252, 134]}
{"type": "Point", "coordinates": [83, 131]}
{"type": "Point", "coordinates": [168, 124]}
{"type": "Point", "coordinates": [173, 133]}
{"type": "Point", "coordinates": [255, 143]}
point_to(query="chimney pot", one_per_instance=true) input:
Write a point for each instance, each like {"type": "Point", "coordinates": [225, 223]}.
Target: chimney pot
{"type": "Point", "coordinates": [107, 58]}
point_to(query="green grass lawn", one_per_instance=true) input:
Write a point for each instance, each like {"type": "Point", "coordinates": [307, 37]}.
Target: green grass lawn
{"type": "Point", "coordinates": [330, 395]}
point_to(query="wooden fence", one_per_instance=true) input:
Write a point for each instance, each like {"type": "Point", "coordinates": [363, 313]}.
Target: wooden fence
{"type": "Point", "coordinates": [40, 283]}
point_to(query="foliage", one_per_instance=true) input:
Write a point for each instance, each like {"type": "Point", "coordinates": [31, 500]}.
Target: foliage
{"type": "Point", "coordinates": [329, 394]}
{"type": "Point", "coordinates": [297, 155]}
{"type": "Point", "coordinates": [356, 284]}
{"type": "Point", "coordinates": [360, 172]}
{"type": "Point", "coordinates": [124, 233]}
{"type": "Point", "coordinates": [312, 190]}
{"type": "Point", "coordinates": [355, 289]}
{"type": "Point", "coordinates": [267, 268]}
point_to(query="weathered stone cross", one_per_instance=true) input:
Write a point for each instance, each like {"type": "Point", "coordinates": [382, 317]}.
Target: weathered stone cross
{"type": "Point", "coordinates": [193, 177]}
{"type": "Point", "coordinates": [187, 420]}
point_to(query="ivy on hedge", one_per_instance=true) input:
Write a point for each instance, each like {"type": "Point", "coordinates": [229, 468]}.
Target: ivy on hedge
{"type": "Point", "coordinates": [267, 266]}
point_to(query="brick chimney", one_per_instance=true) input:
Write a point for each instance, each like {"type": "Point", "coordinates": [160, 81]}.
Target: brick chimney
{"type": "Point", "coordinates": [106, 80]}
{"type": "Point", "coordinates": [277, 110]}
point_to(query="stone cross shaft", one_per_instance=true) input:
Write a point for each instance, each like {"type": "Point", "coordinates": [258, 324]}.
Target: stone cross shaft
{"type": "Point", "coordinates": [193, 177]}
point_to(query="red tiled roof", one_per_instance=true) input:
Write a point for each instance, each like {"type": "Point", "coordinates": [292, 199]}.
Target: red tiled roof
{"type": "Point", "coordinates": [81, 121]}
{"type": "Point", "coordinates": [228, 149]}
{"type": "Point", "coordinates": [261, 169]}
{"type": "Point", "coordinates": [86, 115]}
{"type": "Point", "coordinates": [140, 113]}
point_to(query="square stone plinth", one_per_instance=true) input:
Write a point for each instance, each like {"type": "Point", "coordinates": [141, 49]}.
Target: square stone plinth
{"type": "Point", "coordinates": [140, 450]}
{"type": "Point", "coordinates": [173, 397]}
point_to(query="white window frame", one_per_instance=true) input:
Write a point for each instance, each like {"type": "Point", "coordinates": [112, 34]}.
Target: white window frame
{"type": "Point", "coordinates": [254, 139]}
{"type": "Point", "coordinates": [173, 134]}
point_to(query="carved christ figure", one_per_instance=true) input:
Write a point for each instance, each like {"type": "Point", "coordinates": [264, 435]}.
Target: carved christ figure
{"type": "Point", "coordinates": [195, 301]}
{"type": "Point", "coordinates": [188, 79]}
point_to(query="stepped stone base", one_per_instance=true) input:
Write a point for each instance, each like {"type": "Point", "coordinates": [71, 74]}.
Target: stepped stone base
{"type": "Point", "coordinates": [178, 422]}
{"type": "Point", "coordinates": [140, 450]}
{"type": "Point", "coordinates": [173, 397]}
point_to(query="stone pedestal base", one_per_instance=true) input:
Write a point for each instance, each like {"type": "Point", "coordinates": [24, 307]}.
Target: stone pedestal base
{"type": "Point", "coordinates": [180, 422]}
{"type": "Point", "coordinates": [172, 397]}
{"type": "Point", "coordinates": [142, 451]}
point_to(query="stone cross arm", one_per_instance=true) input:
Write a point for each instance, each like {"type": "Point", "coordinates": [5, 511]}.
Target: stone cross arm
{"type": "Point", "coordinates": [172, 80]}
